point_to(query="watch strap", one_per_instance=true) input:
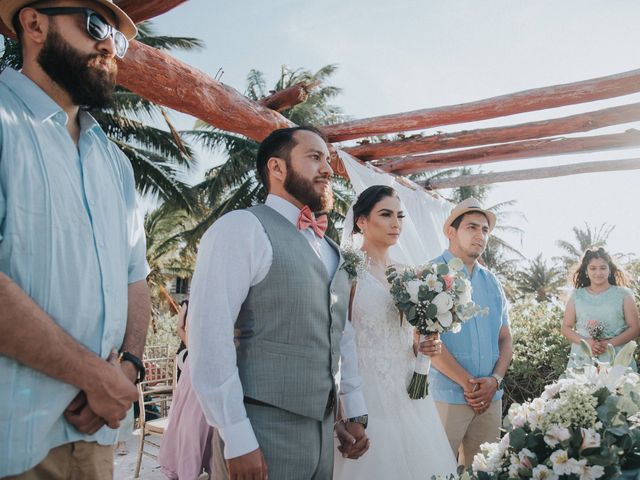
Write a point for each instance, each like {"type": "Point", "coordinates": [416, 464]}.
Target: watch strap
{"type": "Point", "coordinates": [130, 357]}
{"type": "Point", "coordinates": [498, 379]}
{"type": "Point", "coordinates": [362, 419]}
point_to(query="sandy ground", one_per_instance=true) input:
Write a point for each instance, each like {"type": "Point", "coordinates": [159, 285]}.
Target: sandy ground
{"type": "Point", "coordinates": [125, 465]}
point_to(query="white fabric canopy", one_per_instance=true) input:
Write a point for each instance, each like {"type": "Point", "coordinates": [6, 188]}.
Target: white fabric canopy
{"type": "Point", "coordinates": [422, 238]}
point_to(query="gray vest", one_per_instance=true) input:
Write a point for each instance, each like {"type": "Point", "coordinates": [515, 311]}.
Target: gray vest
{"type": "Point", "coordinates": [291, 324]}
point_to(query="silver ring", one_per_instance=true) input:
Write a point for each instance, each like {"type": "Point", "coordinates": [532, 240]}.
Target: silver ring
{"type": "Point", "coordinates": [482, 403]}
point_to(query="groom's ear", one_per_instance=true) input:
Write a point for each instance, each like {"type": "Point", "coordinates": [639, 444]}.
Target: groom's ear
{"type": "Point", "coordinates": [277, 170]}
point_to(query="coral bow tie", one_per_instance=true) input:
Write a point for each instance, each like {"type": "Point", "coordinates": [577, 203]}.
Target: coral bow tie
{"type": "Point", "coordinates": [306, 219]}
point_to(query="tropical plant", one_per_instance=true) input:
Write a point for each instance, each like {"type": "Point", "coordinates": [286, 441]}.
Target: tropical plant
{"type": "Point", "coordinates": [584, 238]}
{"type": "Point", "coordinates": [233, 184]}
{"type": "Point", "coordinates": [167, 253]}
{"type": "Point", "coordinates": [542, 280]}
{"type": "Point", "coordinates": [159, 157]}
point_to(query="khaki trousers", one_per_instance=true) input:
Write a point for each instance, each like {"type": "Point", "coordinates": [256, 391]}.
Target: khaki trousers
{"type": "Point", "coordinates": [466, 431]}
{"type": "Point", "coordinates": [73, 461]}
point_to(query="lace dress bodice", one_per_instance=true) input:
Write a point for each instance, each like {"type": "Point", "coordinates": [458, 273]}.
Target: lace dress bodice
{"type": "Point", "coordinates": [384, 341]}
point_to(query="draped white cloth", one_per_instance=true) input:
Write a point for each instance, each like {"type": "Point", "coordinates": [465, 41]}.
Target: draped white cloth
{"type": "Point", "coordinates": [422, 238]}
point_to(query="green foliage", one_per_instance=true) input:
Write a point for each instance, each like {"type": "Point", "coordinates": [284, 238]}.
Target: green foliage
{"type": "Point", "coordinates": [539, 279]}
{"type": "Point", "coordinates": [163, 332]}
{"type": "Point", "coordinates": [540, 352]}
{"type": "Point", "coordinates": [584, 238]}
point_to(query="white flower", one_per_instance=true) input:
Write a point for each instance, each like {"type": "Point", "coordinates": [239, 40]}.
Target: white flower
{"type": "Point", "coordinates": [412, 289]}
{"type": "Point", "coordinates": [590, 438]}
{"type": "Point", "coordinates": [480, 464]}
{"type": "Point", "coordinates": [556, 434]}
{"type": "Point", "coordinates": [455, 264]}
{"type": "Point", "coordinates": [464, 297]}
{"type": "Point", "coordinates": [562, 464]}
{"type": "Point", "coordinates": [443, 301]}
{"type": "Point", "coordinates": [591, 473]}
{"type": "Point", "coordinates": [433, 283]}
{"type": "Point", "coordinates": [445, 319]}
{"type": "Point", "coordinates": [542, 472]}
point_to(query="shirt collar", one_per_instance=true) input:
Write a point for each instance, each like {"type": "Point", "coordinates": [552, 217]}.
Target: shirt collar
{"type": "Point", "coordinates": [41, 105]}
{"type": "Point", "coordinates": [285, 208]}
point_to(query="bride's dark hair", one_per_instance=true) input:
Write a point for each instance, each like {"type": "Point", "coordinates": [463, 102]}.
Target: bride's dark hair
{"type": "Point", "coordinates": [367, 200]}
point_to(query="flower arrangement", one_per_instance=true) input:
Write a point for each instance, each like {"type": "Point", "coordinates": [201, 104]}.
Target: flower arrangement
{"type": "Point", "coordinates": [595, 329]}
{"type": "Point", "coordinates": [434, 298]}
{"type": "Point", "coordinates": [585, 426]}
{"type": "Point", "coordinates": [353, 262]}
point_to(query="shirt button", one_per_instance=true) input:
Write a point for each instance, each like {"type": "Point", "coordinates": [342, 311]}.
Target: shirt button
{"type": "Point", "coordinates": [333, 351]}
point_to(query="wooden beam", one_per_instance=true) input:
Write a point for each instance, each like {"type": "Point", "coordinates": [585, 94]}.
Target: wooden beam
{"type": "Point", "coordinates": [511, 151]}
{"type": "Point", "coordinates": [582, 122]}
{"type": "Point", "coordinates": [525, 101]}
{"type": "Point", "coordinates": [159, 77]}
{"type": "Point", "coordinates": [289, 97]}
{"type": "Point", "coordinates": [531, 174]}
{"type": "Point", "coordinates": [138, 11]}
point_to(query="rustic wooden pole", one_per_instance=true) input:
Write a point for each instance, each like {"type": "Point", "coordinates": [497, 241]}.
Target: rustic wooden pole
{"type": "Point", "coordinates": [525, 101]}
{"type": "Point", "coordinates": [531, 174]}
{"type": "Point", "coordinates": [289, 97]}
{"type": "Point", "coordinates": [511, 151]}
{"type": "Point", "coordinates": [581, 122]}
{"type": "Point", "coordinates": [159, 77]}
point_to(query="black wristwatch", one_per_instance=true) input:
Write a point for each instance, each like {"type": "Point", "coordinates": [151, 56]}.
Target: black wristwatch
{"type": "Point", "coordinates": [130, 357]}
{"type": "Point", "coordinates": [362, 419]}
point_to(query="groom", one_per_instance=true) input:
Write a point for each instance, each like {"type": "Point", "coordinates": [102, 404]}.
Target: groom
{"type": "Point", "coordinates": [270, 273]}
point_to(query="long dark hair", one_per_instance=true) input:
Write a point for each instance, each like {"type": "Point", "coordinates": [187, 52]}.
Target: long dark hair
{"type": "Point", "coordinates": [367, 200]}
{"type": "Point", "coordinates": [616, 275]}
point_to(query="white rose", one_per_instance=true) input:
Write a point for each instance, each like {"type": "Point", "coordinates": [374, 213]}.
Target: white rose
{"type": "Point", "coordinates": [443, 301]}
{"type": "Point", "coordinates": [455, 264]}
{"type": "Point", "coordinates": [412, 289]}
{"type": "Point", "coordinates": [445, 319]}
{"type": "Point", "coordinates": [464, 297]}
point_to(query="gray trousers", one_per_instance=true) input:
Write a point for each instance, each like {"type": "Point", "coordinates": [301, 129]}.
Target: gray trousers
{"type": "Point", "coordinates": [294, 447]}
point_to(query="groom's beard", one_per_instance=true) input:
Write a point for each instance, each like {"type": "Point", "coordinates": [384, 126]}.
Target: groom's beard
{"type": "Point", "coordinates": [303, 190]}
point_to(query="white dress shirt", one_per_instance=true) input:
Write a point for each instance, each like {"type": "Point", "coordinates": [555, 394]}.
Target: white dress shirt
{"type": "Point", "coordinates": [234, 255]}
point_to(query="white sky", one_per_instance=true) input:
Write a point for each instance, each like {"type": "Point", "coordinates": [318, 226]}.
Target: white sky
{"type": "Point", "coordinates": [411, 54]}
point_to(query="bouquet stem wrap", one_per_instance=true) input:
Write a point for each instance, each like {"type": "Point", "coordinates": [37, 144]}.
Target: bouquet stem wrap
{"type": "Point", "coordinates": [419, 385]}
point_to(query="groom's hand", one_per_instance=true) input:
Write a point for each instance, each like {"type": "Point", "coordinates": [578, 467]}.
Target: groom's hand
{"type": "Point", "coordinates": [353, 439]}
{"type": "Point", "coordinates": [250, 466]}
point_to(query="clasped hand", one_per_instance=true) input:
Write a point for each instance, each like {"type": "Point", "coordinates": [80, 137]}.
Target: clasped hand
{"type": "Point", "coordinates": [353, 439]}
{"type": "Point", "coordinates": [480, 392]}
{"type": "Point", "coordinates": [109, 403]}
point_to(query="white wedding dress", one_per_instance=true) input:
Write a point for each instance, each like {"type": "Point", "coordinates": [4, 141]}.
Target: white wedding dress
{"type": "Point", "coordinates": [407, 438]}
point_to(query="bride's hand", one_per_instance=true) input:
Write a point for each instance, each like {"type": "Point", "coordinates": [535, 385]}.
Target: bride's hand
{"type": "Point", "coordinates": [431, 346]}
{"type": "Point", "coordinates": [353, 439]}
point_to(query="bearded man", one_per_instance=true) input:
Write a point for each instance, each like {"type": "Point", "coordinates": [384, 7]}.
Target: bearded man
{"type": "Point", "coordinates": [72, 246]}
{"type": "Point", "coordinates": [271, 273]}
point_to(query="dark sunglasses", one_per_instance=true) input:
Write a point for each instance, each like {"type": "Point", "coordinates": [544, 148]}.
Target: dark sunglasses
{"type": "Point", "coordinates": [97, 27]}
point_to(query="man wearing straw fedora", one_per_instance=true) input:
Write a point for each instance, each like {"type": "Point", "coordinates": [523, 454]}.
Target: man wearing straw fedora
{"type": "Point", "coordinates": [467, 377]}
{"type": "Point", "coordinates": [73, 295]}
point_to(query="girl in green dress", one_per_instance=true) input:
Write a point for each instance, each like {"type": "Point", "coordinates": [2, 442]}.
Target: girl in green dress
{"type": "Point", "coordinates": [601, 310]}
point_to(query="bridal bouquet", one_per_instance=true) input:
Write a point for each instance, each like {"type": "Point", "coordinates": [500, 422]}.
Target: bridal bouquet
{"type": "Point", "coordinates": [434, 298]}
{"type": "Point", "coordinates": [585, 426]}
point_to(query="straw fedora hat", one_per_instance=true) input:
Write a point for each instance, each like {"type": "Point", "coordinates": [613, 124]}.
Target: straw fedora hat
{"type": "Point", "coordinates": [8, 9]}
{"type": "Point", "coordinates": [469, 205]}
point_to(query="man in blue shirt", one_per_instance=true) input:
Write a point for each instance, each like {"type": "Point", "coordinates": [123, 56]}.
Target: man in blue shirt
{"type": "Point", "coordinates": [467, 377]}
{"type": "Point", "coordinates": [72, 246]}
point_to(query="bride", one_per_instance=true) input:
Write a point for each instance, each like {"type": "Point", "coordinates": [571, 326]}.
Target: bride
{"type": "Point", "coordinates": [407, 437]}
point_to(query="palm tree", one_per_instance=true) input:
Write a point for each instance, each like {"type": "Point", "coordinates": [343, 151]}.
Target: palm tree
{"type": "Point", "coordinates": [167, 254]}
{"type": "Point", "coordinates": [233, 184]}
{"type": "Point", "coordinates": [158, 157]}
{"type": "Point", "coordinates": [584, 238]}
{"type": "Point", "coordinates": [540, 279]}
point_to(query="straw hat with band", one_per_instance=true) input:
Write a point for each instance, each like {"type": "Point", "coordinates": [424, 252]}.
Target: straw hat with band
{"type": "Point", "coordinates": [9, 8]}
{"type": "Point", "coordinates": [470, 205]}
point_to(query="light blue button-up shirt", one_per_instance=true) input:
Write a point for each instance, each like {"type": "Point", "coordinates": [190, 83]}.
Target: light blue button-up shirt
{"type": "Point", "coordinates": [71, 237]}
{"type": "Point", "coordinates": [475, 347]}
